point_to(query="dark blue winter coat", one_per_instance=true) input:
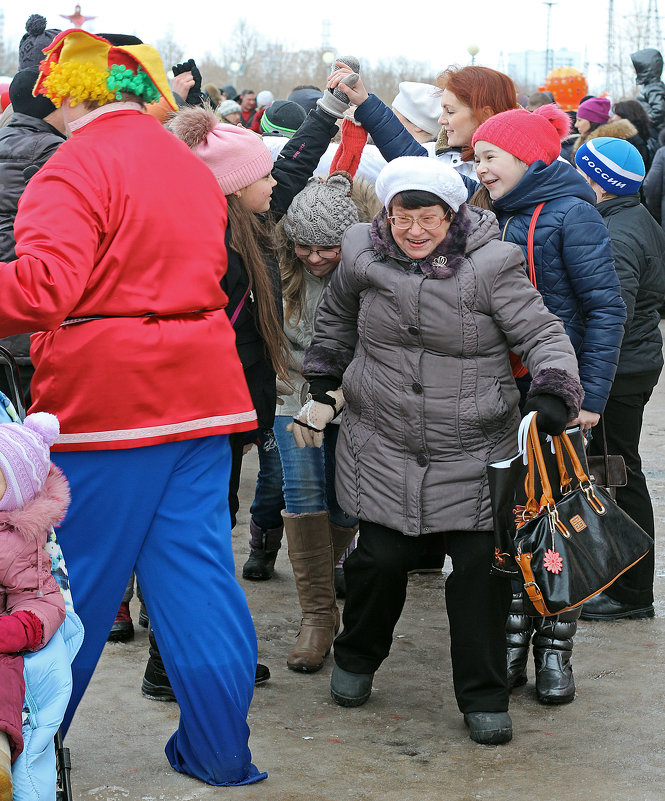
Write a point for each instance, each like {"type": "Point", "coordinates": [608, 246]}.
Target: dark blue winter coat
{"type": "Point", "coordinates": [574, 267]}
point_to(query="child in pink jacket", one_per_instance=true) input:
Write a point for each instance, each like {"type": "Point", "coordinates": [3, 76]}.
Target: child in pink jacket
{"type": "Point", "coordinates": [34, 495]}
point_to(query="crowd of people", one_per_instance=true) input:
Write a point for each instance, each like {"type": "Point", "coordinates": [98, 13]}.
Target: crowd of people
{"type": "Point", "coordinates": [372, 296]}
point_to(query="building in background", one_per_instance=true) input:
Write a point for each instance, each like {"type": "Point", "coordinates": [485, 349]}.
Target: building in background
{"type": "Point", "coordinates": [528, 68]}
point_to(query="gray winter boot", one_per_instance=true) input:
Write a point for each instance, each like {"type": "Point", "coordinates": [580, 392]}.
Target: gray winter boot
{"type": "Point", "coordinates": [519, 628]}
{"type": "Point", "coordinates": [264, 545]}
{"type": "Point", "coordinates": [552, 651]}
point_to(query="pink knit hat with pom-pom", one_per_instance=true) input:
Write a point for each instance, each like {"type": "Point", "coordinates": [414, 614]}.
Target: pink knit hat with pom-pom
{"type": "Point", "coordinates": [25, 457]}
{"type": "Point", "coordinates": [529, 136]}
{"type": "Point", "coordinates": [236, 156]}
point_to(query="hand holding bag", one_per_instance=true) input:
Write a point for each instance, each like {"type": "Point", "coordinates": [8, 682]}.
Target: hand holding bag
{"type": "Point", "coordinates": [569, 550]}
{"type": "Point", "coordinates": [508, 489]}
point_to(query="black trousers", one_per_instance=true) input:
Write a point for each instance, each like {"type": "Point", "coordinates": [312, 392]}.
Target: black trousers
{"type": "Point", "coordinates": [623, 426]}
{"type": "Point", "coordinates": [477, 604]}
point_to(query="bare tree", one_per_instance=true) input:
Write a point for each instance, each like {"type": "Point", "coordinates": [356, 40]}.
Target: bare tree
{"type": "Point", "coordinates": [170, 51]}
{"type": "Point", "coordinates": [632, 35]}
{"type": "Point", "coordinates": [9, 62]}
{"type": "Point", "coordinates": [384, 79]}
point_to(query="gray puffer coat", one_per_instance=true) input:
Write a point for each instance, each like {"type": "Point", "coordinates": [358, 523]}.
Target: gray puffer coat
{"type": "Point", "coordinates": [423, 350]}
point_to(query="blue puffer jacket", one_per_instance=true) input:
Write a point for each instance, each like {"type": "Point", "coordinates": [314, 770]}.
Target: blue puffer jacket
{"type": "Point", "coordinates": [574, 267]}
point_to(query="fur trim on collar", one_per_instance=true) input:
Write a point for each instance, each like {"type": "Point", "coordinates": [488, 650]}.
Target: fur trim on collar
{"type": "Point", "coordinates": [619, 129]}
{"type": "Point", "coordinates": [46, 509]}
{"type": "Point", "coordinates": [443, 261]}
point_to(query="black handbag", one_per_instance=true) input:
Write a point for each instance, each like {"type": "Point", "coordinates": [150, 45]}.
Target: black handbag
{"type": "Point", "coordinates": [508, 490]}
{"type": "Point", "coordinates": [569, 550]}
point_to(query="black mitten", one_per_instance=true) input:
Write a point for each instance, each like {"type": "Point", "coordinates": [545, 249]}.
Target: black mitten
{"type": "Point", "coordinates": [552, 413]}
{"type": "Point", "coordinates": [178, 69]}
{"type": "Point", "coordinates": [194, 96]}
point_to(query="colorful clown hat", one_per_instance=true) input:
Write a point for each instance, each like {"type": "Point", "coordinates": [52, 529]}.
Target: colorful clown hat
{"type": "Point", "coordinates": [82, 66]}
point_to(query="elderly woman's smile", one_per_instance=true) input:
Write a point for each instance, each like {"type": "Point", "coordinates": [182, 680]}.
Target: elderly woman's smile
{"type": "Point", "coordinates": [418, 232]}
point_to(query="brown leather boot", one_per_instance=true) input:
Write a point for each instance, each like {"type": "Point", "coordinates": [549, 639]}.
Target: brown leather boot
{"type": "Point", "coordinates": [311, 554]}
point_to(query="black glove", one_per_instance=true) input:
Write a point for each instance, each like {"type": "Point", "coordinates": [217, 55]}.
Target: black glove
{"type": "Point", "coordinates": [194, 96]}
{"type": "Point", "coordinates": [552, 413]}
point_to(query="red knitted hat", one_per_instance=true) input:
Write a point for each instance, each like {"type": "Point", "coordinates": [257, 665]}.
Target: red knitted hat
{"type": "Point", "coordinates": [529, 136]}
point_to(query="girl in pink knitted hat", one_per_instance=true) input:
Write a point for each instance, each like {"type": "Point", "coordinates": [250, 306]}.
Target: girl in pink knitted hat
{"type": "Point", "coordinates": [546, 207]}
{"type": "Point", "coordinates": [34, 495]}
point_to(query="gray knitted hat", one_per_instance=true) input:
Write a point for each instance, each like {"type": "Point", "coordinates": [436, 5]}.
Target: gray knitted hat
{"type": "Point", "coordinates": [35, 39]}
{"type": "Point", "coordinates": [322, 211]}
{"type": "Point", "coordinates": [227, 107]}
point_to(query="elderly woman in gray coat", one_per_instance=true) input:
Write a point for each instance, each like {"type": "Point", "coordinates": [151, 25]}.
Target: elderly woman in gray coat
{"type": "Point", "coordinates": [415, 328]}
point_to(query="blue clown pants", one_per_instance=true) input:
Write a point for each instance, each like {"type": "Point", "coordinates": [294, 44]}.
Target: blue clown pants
{"type": "Point", "coordinates": [164, 509]}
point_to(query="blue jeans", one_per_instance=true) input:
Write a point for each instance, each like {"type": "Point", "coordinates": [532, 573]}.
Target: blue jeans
{"type": "Point", "coordinates": [266, 508]}
{"type": "Point", "coordinates": [309, 474]}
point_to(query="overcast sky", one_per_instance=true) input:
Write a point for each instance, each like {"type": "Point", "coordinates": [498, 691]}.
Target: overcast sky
{"type": "Point", "coordinates": [417, 32]}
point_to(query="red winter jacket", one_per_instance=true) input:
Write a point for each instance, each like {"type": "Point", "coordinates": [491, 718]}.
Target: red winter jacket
{"type": "Point", "coordinates": [125, 224]}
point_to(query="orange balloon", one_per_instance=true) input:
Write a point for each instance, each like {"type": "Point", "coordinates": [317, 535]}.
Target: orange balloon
{"type": "Point", "coordinates": [568, 86]}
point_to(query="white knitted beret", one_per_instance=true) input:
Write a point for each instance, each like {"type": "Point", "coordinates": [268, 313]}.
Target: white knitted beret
{"type": "Point", "coordinates": [421, 172]}
{"type": "Point", "coordinates": [420, 103]}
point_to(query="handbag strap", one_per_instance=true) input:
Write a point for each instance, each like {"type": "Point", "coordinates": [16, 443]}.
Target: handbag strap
{"type": "Point", "coordinates": [534, 451]}
{"type": "Point", "coordinates": [605, 454]}
{"type": "Point", "coordinates": [239, 306]}
{"type": "Point", "coordinates": [574, 459]}
{"type": "Point", "coordinates": [529, 243]}
{"type": "Point", "coordinates": [564, 477]}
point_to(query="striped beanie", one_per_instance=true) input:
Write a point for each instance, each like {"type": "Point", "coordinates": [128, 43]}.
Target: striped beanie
{"type": "Point", "coordinates": [282, 118]}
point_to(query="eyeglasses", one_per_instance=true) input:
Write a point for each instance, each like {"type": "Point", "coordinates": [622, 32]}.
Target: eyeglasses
{"type": "Point", "coordinates": [304, 252]}
{"type": "Point", "coordinates": [429, 223]}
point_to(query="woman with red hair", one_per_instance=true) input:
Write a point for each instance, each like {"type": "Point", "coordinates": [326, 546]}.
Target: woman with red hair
{"type": "Point", "coordinates": [470, 95]}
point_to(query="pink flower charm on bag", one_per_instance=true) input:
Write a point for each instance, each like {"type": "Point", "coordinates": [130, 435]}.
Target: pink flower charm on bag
{"type": "Point", "coordinates": [553, 561]}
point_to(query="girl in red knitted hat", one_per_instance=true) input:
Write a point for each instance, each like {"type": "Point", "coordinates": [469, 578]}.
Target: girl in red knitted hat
{"type": "Point", "coordinates": [517, 161]}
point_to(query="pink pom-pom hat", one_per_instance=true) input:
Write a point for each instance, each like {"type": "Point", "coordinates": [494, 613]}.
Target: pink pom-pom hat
{"type": "Point", "coordinates": [25, 457]}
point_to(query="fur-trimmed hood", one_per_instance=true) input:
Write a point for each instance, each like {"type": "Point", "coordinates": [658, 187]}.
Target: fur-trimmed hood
{"type": "Point", "coordinates": [471, 228]}
{"type": "Point", "coordinates": [46, 509]}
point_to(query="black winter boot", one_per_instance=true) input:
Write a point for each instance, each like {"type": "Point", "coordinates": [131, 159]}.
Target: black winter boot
{"type": "Point", "coordinates": [264, 545]}
{"type": "Point", "coordinates": [156, 684]}
{"type": "Point", "coordinates": [519, 628]}
{"type": "Point", "coordinates": [552, 650]}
